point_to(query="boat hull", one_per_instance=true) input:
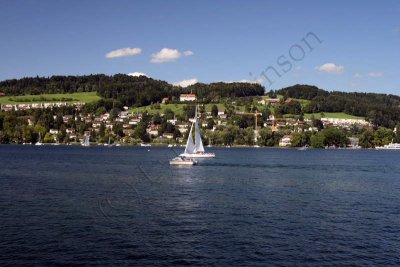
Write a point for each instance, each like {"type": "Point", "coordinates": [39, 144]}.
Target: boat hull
{"type": "Point", "coordinates": [182, 163]}
{"type": "Point", "coordinates": [192, 156]}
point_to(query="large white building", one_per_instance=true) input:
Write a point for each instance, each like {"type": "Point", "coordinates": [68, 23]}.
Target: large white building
{"type": "Point", "coordinates": [187, 97]}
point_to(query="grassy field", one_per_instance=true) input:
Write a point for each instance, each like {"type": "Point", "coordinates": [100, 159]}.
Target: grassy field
{"type": "Point", "coordinates": [177, 108]}
{"type": "Point", "coordinates": [86, 97]}
{"type": "Point", "coordinates": [339, 115]}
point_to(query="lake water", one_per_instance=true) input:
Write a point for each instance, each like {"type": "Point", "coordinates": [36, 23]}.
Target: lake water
{"type": "Point", "coordinates": [248, 207]}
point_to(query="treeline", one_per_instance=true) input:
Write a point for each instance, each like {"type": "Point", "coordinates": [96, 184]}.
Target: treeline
{"type": "Point", "coordinates": [129, 90]}
{"type": "Point", "coordinates": [379, 109]}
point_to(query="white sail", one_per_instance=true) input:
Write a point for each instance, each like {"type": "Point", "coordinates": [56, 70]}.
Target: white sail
{"type": "Point", "coordinates": [189, 149]}
{"type": "Point", "coordinates": [197, 138]}
{"type": "Point", "coordinates": [86, 142]}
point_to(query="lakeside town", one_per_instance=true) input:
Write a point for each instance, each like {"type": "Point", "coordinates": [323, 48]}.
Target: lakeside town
{"type": "Point", "coordinates": [220, 126]}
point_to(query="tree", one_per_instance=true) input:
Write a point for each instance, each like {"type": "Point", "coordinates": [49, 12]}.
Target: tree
{"type": "Point", "coordinates": [169, 114]}
{"type": "Point", "coordinates": [210, 123]}
{"type": "Point", "coordinates": [367, 139]}
{"type": "Point", "coordinates": [249, 136]}
{"type": "Point", "coordinates": [335, 137]}
{"type": "Point", "coordinates": [48, 138]}
{"type": "Point", "coordinates": [318, 140]}
{"type": "Point", "coordinates": [140, 132]}
{"type": "Point", "coordinates": [214, 110]}
{"type": "Point", "coordinates": [383, 136]}
{"type": "Point", "coordinates": [266, 137]}
{"type": "Point", "coordinates": [118, 129]}
{"type": "Point", "coordinates": [300, 139]}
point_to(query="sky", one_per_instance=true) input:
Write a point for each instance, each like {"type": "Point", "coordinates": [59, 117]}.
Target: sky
{"type": "Point", "coordinates": [335, 45]}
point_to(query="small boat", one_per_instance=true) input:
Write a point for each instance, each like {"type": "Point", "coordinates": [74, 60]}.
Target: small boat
{"type": "Point", "coordinates": [303, 147]}
{"type": "Point", "coordinates": [86, 143]}
{"type": "Point", "coordinates": [391, 146]}
{"type": "Point", "coordinates": [109, 142]}
{"type": "Point", "coordinates": [182, 161]}
{"type": "Point", "coordinates": [169, 145]}
{"type": "Point", "coordinates": [39, 142]}
{"type": "Point", "coordinates": [142, 144]}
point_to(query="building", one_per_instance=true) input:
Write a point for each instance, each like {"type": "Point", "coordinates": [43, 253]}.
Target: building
{"type": "Point", "coordinates": [272, 101]}
{"type": "Point", "coordinates": [285, 141]}
{"type": "Point", "coordinates": [187, 97]}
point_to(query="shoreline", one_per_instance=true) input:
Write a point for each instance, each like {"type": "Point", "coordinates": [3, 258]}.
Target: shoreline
{"type": "Point", "coordinates": [182, 146]}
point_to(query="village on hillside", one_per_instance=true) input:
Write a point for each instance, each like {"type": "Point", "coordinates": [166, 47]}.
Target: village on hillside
{"type": "Point", "coordinates": [221, 126]}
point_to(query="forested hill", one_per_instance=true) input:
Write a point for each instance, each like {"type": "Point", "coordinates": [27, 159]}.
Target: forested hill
{"type": "Point", "coordinates": [126, 89]}
{"type": "Point", "coordinates": [381, 109]}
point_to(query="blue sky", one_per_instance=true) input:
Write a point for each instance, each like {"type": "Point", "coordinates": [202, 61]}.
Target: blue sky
{"type": "Point", "coordinates": [207, 41]}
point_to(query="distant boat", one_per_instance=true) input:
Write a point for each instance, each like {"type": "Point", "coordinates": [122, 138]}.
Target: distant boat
{"type": "Point", "coordinates": [169, 145]}
{"type": "Point", "coordinates": [182, 161]}
{"type": "Point", "coordinates": [142, 144]}
{"type": "Point", "coordinates": [303, 147]}
{"type": "Point", "coordinates": [109, 142]}
{"type": "Point", "coordinates": [86, 142]}
{"type": "Point", "coordinates": [391, 146]}
{"type": "Point", "coordinates": [195, 149]}
{"type": "Point", "coordinates": [39, 142]}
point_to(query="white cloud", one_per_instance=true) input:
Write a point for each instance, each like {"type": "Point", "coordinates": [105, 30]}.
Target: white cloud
{"type": "Point", "coordinates": [330, 68]}
{"type": "Point", "coordinates": [137, 74]}
{"type": "Point", "coordinates": [169, 55]}
{"type": "Point", "coordinates": [357, 75]}
{"type": "Point", "coordinates": [186, 83]}
{"type": "Point", "coordinates": [188, 53]}
{"type": "Point", "coordinates": [124, 52]}
{"type": "Point", "coordinates": [375, 74]}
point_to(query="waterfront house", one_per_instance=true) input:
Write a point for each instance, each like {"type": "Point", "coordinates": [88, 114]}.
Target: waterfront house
{"type": "Point", "coordinates": [285, 141]}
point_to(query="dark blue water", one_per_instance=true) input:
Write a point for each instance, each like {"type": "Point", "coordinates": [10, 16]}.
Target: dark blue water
{"type": "Point", "coordinates": [247, 207]}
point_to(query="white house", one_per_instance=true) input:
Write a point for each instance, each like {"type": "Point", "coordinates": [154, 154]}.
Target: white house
{"type": "Point", "coordinates": [285, 141]}
{"type": "Point", "coordinates": [187, 97]}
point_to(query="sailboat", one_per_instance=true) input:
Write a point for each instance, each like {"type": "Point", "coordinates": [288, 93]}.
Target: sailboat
{"type": "Point", "coordinates": [86, 143]}
{"type": "Point", "coordinates": [195, 149]}
{"type": "Point", "coordinates": [109, 142]}
{"type": "Point", "coordinates": [39, 142]}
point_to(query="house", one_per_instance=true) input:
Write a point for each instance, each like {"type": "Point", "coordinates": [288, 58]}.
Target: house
{"type": "Point", "coordinates": [168, 135]}
{"type": "Point", "coordinates": [66, 118]}
{"type": "Point", "coordinates": [134, 121]}
{"type": "Point", "coordinates": [153, 129]}
{"type": "Point", "coordinates": [173, 122]}
{"type": "Point", "coordinates": [187, 97]}
{"type": "Point", "coordinates": [285, 141]}
{"type": "Point", "coordinates": [165, 100]}
{"type": "Point", "coordinates": [53, 131]}
{"type": "Point", "coordinates": [272, 101]}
